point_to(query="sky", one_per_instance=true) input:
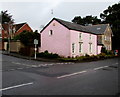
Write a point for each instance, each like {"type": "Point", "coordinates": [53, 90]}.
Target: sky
{"type": "Point", "coordinates": [37, 13]}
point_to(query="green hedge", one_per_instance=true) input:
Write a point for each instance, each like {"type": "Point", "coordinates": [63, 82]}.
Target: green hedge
{"type": "Point", "coordinates": [90, 58]}
{"type": "Point", "coordinates": [100, 56]}
{"type": "Point", "coordinates": [46, 54]}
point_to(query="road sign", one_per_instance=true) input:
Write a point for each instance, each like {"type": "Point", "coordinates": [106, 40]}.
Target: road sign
{"type": "Point", "coordinates": [35, 41]}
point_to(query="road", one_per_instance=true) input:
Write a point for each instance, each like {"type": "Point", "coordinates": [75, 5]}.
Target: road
{"type": "Point", "coordinates": [29, 77]}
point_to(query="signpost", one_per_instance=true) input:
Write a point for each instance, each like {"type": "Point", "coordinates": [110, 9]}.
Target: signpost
{"type": "Point", "coordinates": [35, 43]}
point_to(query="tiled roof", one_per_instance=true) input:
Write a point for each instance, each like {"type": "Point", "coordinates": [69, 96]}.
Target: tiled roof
{"type": "Point", "coordinates": [94, 29]}
{"type": "Point", "coordinates": [97, 29]}
{"type": "Point", "coordinates": [73, 26]}
{"type": "Point", "coordinates": [17, 26]}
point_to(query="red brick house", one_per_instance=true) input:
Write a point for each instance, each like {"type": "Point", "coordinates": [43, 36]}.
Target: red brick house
{"type": "Point", "coordinates": [13, 30]}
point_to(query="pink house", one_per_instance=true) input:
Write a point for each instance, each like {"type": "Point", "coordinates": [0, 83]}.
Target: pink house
{"type": "Point", "coordinates": [68, 39]}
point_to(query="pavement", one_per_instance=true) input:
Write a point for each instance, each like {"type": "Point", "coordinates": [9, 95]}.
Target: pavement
{"type": "Point", "coordinates": [31, 77]}
{"type": "Point", "coordinates": [28, 57]}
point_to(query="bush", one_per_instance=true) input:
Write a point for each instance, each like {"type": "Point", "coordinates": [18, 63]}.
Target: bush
{"type": "Point", "coordinates": [103, 50]}
{"type": "Point", "coordinates": [26, 51]}
{"type": "Point", "coordinates": [101, 56]}
{"type": "Point", "coordinates": [46, 54]}
{"type": "Point", "coordinates": [93, 57]}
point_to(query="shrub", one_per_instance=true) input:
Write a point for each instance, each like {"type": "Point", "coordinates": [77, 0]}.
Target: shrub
{"type": "Point", "coordinates": [86, 55]}
{"type": "Point", "coordinates": [46, 54]}
{"type": "Point", "coordinates": [101, 56]}
{"type": "Point", "coordinates": [103, 50]}
{"type": "Point", "coordinates": [93, 57]}
{"type": "Point", "coordinates": [26, 51]}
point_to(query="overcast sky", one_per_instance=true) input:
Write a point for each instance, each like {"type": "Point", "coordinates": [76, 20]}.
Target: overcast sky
{"type": "Point", "coordinates": [38, 13]}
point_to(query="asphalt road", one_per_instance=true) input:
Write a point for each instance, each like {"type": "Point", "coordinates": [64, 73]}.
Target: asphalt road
{"type": "Point", "coordinates": [29, 77]}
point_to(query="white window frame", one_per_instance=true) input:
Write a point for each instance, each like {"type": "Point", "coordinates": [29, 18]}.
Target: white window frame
{"type": "Point", "coordinates": [80, 36]}
{"type": "Point", "coordinates": [105, 37]}
{"type": "Point", "coordinates": [90, 37]}
{"type": "Point", "coordinates": [90, 47]}
{"type": "Point", "coordinates": [80, 47]}
{"type": "Point", "coordinates": [50, 32]}
{"type": "Point", "coordinates": [73, 47]}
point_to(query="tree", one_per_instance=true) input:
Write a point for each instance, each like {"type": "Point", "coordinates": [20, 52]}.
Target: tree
{"type": "Point", "coordinates": [112, 16]}
{"type": "Point", "coordinates": [27, 38]}
{"type": "Point", "coordinates": [6, 17]}
{"type": "Point", "coordinates": [86, 20]}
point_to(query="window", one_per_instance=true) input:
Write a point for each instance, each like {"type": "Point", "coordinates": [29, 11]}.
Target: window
{"type": "Point", "coordinates": [105, 37]}
{"type": "Point", "coordinates": [90, 36]}
{"type": "Point", "coordinates": [80, 47]}
{"type": "Point", "coordinates": [14, 30]}
{"type": "Point", "coordinates": [90, 47]}
{"type": "Point", "coordinates": [98, 28]}
{"type": "Point", "coordinates": [51, 32]}
{"type": "Point", "coordinates": [108, 38]}
{"type": "Point", "coordinates": [73, 48]}
{"type": "Point", "coordinates": [80, 36]}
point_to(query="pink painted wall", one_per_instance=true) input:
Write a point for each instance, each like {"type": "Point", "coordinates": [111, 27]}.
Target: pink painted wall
{"type": "Point", "coordinates": [61, 41]}
{"type": "Point", "coordinates": [85, 39]}
{"type": "Point", "coordinates": [58, 42]}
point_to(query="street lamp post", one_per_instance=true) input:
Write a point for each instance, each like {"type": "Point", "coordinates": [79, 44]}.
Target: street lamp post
{"type": "Point", "coordinates": [35, 43]}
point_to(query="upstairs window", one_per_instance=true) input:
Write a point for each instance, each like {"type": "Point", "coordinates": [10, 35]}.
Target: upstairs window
{"type": "Point", "coordinates": [50, 32]}
{"type": "Point", "coordinates": [80, 36]}
{"type": "Point", "coordinates": [90, 37]}
{"type": "Point", "coordinates": [98, 28]}
{"type": "Point", "coordinates": [105, 37]}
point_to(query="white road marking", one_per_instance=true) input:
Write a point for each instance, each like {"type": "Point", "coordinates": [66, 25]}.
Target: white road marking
{"type": "Point", "coordinates": [19, 68]}
{"type": "Point", "coordinates": [27, 67]}
{"type": "Point", "coordinates": [100, 67]}
{"type": "Point", "coordinates": [71, 74]}
{"type": "Point", "coordinates": [34, 66]}
{"type": "Point", "coordinates": [41, 64]}
{"type": "Point", "coordinates": [50, 64]}
{"type": "Point", "coordinates": [16, 86]}
{"type": "Point", "coordinates": [12, 69]}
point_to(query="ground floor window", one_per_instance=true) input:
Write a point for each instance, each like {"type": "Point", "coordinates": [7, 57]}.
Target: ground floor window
{"type": "Point", "coordinates": [80, 47]}
{"type": "Point", "coordinates": [73, 47]}
{"type": "Point", "coordinates": [90, 47]}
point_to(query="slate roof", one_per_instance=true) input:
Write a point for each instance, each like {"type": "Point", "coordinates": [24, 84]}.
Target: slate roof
{"type": "Point", "coordinates": [73, 26]}
{"type": "Point", "coordinates": [97, 29]}
{"type": "Point", "coordinates": [70, 26]}
{"type": "Point", "coordinates": [93, 29]}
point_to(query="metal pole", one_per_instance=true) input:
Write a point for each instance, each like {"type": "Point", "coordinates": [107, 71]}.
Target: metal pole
{"type": "Point", "coordinates": [35, 51]}
{"type": "Point", "coordinates": [9, 38]}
